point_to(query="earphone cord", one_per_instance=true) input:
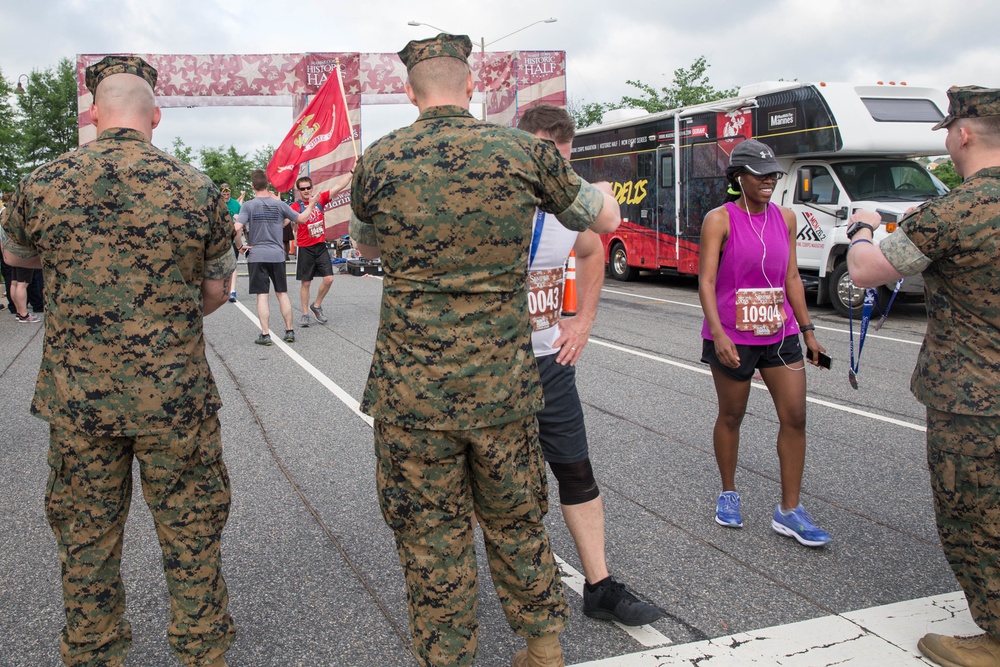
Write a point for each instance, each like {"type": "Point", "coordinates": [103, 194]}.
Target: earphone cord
{"type": "Point", "coordinates": [760, 236]}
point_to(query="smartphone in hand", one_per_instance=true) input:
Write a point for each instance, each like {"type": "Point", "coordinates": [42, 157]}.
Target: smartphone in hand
{"type": "Point", "coordinates": [823, 359]}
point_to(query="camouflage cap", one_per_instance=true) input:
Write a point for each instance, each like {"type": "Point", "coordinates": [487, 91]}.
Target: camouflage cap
{"type": "Point", "coordinates": [444, 45]}
{"type": "Point", "coordinates": [119, 65]}
{"type": "Point", "coordinates": [970, 102]}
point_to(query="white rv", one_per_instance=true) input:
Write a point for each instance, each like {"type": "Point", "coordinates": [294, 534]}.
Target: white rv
{"type": "Point", "coordinates": [843, 146]}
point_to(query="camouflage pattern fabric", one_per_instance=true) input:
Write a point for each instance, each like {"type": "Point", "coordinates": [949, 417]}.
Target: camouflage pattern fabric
{"type": "Point", "coordinates": [958, 369]}
{"type": "Point", "coordinates": [186, 485]}
{"type": "Point", "coordinates": [109, 65]}
{"type": "Point", "coordinates": [963, 453]}
{"type": "Point", "coordinates": [442, 46]}
{"type": "Point", "coordinates": [970, 102]}
{"type": "Point", "coordinates": [453, 385]}
{"type": "Point", "coordinates": [429, 484]}
{"type": "Point", "coordinates": [449, 202]}
{"type": "Point", "coordinates": [126, 234]}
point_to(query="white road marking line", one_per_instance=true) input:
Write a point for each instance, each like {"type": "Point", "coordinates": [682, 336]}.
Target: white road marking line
{"type": "Point", "coordinates": [884, 636]}
{"type": "Point", "coordinates": [818, 326]}
{"type": "Point", "coordinates": [646, 635]}
{"type": "Point", "coordinates": [332, 386]}
{"type": "Point", "coordinates": [757, 385]}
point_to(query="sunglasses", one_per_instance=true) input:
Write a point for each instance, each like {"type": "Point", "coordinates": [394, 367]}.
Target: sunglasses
{"type": "Point", "coordinates": [766, 177]}
{"type": "Point", "coordinates": [225, 191]}
{"type": "Point", "coordinates": [306, 189]}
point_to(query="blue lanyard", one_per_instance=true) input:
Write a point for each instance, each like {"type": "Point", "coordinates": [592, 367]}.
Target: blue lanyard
{"type": "Point", "coordinates": [885, 313]}
{"type": "Point", "coordinates": [536, 237]}
{"type": "Point", "coordinates": [866, 316]}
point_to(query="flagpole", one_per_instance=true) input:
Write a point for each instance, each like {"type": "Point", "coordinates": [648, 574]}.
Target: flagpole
{"type": "Point", "coordinates": [343, 96]}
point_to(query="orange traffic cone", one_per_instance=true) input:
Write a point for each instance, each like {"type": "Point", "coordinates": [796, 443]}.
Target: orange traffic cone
{"type": "Point", "coordinates": [569, 290]}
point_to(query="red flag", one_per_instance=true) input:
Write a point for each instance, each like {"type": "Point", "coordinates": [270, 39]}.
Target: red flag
{"type": "Point", "coordinates": [318, 130]}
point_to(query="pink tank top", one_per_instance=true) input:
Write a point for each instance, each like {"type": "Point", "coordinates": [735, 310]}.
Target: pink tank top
{"type": "Point", "coordinates": [750, 286]}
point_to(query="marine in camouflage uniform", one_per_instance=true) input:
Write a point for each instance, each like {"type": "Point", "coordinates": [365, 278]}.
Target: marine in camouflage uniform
{"type": "Point", "coordinates": [453, 386]}
{"type": "Point", "coordinates": [129, 237]}
{"type": "Point", "coordinates": [954, 241]}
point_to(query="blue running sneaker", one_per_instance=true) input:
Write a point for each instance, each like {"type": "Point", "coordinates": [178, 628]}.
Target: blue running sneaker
{"type": "Point", "coordinates": [799, 524]}
{"type": "Point", "coordinates": [727, 510]}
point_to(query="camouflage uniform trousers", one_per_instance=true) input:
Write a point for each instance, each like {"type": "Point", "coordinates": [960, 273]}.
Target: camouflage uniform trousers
{"type": "Point", "coordinates": [430, 483]}
{"type": "Point", "coordinates": [186, 486]}
{"type": "Point", "coordinates": [963, 454]}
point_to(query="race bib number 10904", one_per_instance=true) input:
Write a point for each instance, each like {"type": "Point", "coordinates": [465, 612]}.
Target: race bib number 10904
{"type": "Point", "coordinates": [761, 311]}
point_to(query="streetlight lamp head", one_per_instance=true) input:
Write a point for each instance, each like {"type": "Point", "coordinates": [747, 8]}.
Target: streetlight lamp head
{"type": "Point", "coordinates": [550, 20]}
{"type": "Point", "coordinates": [20, 88]}
{"type": "Point", "coordinates": [414, 23]}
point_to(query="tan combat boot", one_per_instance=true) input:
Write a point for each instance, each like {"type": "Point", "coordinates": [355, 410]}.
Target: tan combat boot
{"type": "Point", "coordinates": [219, 662]}
{"type": "Point", "coordinates": [976, 651]}
{"type": "Point", "coordinates": [541, 652]}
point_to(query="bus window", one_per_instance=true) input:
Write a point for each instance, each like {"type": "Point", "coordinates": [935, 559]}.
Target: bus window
{"type": "Point", "coordinates": [667, 171]}
{"type": "Point", "coordinates": [646, 165]}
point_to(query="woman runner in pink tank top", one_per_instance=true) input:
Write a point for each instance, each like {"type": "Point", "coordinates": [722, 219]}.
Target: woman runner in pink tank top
{"type": "Point", "coordinates": [755, 307]}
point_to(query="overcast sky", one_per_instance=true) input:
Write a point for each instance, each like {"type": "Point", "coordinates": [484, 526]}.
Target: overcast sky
{"type": "Point", "coordinates": [934, 43]}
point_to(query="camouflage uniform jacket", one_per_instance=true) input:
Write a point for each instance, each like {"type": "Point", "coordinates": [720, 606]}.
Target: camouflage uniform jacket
{"type": "Point", "coordinates": [955, 241]}
{"type": "Point", "coordinates": [126, 234]}
{"type": "Point", "coordinates": [449, 200]}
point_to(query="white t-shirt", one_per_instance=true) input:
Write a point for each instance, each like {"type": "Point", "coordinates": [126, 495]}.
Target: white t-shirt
{"type": "Point", "coordinates": [546, 279]}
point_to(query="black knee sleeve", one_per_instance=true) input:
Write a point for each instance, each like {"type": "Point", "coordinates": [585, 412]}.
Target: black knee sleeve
{"type": "Point", "coordinates": [576, 482]}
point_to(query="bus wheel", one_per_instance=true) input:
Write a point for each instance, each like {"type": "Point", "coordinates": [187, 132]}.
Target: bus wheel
{"type": "Point", "coordinates": [618, 263]}
{"type": "Point", "coordinates": [847, 298]}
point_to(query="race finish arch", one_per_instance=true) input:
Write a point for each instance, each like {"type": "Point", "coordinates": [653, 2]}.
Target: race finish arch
{"type": "Point", "coordinates": [506, 82]}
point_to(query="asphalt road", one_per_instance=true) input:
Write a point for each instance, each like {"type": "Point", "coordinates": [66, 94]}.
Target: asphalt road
{"type": "Point", "coordinates": [312, 569]}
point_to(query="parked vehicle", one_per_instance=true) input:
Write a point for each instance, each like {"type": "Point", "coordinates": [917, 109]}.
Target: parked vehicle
{"type": "Point", "coordinates": [843, 147]}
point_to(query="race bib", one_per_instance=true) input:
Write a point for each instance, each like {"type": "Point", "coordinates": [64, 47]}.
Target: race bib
{"type": "Point", "coordinates": [545, 288]}
{"type": "Point", "coordinates": [761, 311]}
{"type": "Point", "coordinates": [316, 229]}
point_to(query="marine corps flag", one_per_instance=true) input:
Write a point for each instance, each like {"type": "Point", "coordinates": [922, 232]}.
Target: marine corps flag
{"type": "Point", "coordinates": [318, 130]}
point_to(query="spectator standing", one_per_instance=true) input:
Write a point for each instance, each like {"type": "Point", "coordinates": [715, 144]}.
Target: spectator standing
{"type": "Point", "coordinates": [263, 217]}
{"type": "Point", "coordinates": [453, 388]}
{"type": "Point", "coordinates": [134, 263]}
{"type": "Point", "coordinates": [954, 242]}
{"type": "Point", "coordinates": [233, 206]}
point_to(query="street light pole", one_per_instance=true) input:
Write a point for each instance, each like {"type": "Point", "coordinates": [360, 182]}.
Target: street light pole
{"type": "Point", "coordinates": [483, 44]}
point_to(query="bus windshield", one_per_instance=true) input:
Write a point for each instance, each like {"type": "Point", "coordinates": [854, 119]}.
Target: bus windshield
{"type": "Point", "coordinates": [885, 180]}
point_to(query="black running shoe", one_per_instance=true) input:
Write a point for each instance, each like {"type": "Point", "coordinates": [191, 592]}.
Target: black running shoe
{"type": "Point", "coordinates": [611, 601]}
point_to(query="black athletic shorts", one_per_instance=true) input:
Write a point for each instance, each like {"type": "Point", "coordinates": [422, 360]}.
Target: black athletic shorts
{"type": "Point", "coordinates": [560, 423]}
{"type": "Point", "coordinates": [21, 274]}
{"type": "Point", "coordinates": [787, 351]}
{"type": "Point", "coordinates": [263, 274]}
{"type": "Point", "coordinates": [313, 261]}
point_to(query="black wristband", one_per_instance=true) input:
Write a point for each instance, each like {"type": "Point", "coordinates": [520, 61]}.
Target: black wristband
{"type": "Point", "coordinates": [807, 327]}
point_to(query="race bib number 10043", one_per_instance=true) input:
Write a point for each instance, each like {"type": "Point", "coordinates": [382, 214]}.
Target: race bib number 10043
{"type": "Point", "coordinates": [761, 311]}
{"type": "Point", "coordinates": [545, 297]}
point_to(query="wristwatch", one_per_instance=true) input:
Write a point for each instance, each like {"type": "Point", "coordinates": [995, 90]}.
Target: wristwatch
{"type": "Point", "coordinates": [855, 226]}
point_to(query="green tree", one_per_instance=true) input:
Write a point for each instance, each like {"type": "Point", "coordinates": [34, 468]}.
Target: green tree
{"type": "Point", "coordinates": [586, 114]}
{"type": "Point", "coordinates": [9, 138]}
{"type": "Point", "coordinates": [690, 86]}
{"type": "Point", "coordinates": [947, 174]}
{"type": "Point", "coordinates": [48, 116]}
{"type": "Point", "coordinates": [181, 151]}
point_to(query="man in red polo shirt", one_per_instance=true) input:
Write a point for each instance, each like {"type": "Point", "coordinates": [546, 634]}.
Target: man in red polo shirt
{"type": "Point", "coordinates": [313, 258]}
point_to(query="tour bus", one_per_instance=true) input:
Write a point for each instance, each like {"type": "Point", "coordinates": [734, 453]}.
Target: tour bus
{"type": "Point", "coordinates": [843, 147]}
